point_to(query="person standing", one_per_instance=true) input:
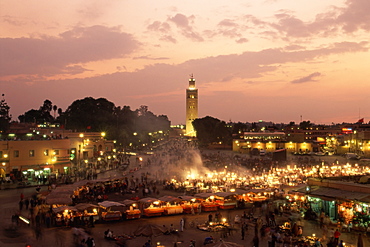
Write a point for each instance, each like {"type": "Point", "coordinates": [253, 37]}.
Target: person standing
{"type": "Point", "coordinates": [182, 223]}
{"type": "Point", "coordinates": [210, 218]}
{"type": "Point", "coordinates": [336, 237]}
{"type": "Point", "coordinates": [26, 203]}
{"type": "Point", "coordinates": [256, 241]}
{"type": "Point", "coordinates": [243, 231]}
{"type": "Point", "coordinates": [20, 205]}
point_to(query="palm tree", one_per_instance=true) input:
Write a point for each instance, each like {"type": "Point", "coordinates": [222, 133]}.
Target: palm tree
{"type": "Point", "coordinates": [55, 109]}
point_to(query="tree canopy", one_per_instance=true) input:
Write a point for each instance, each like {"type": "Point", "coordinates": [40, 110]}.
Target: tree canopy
{"type": "Point", "coordinates": [120, 123]}
{"type": "Point", "coordinates": [4, 115]}
{"type": "Point", "coordinates": [42, 115]}
{"type": "Point", "coordinates": [212, 130]}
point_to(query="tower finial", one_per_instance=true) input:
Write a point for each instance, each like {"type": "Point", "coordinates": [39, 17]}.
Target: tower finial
{"type": "Point", "coordinates": [191, 76]}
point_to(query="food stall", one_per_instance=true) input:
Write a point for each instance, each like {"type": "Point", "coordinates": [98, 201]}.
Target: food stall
{"type": "Point", "coordinates": [151, 207]}
{"type": "Point", "coordinates": [63, 214]}
{"type": "Point", "coordinates": [226, 200]}
{"type": "Point", "coordinates": [190, 204]}
{"type": "Point", "coordinates": [171, 205]}
{"type": "Point", "coordinates": [131, 212]}
{"type": "Point", "coordinates": [208, 203]}
{"type": "Point", "coordinates": [86, 210]}
{"type": "Point", "coordinates": [214, 226]}
{"type": "Point", "coordinates": [256, 195]}
{"type": "Point", "coordinates": [112, 210]}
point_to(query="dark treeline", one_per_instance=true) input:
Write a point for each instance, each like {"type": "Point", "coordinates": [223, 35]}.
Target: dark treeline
{"type": "Point", "coordinates": [95, 115]}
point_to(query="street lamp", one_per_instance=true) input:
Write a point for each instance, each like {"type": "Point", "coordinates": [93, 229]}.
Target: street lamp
{"type": "Point", "coordinates": [80, 147]}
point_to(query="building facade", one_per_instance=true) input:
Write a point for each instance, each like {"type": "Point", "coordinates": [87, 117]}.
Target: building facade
{"type": "Point", "coordinates": [34, 158]}
{"type": "Point", "coordinates": [42, 153]}
{"type": "Point", "coordinates": [191, 107]}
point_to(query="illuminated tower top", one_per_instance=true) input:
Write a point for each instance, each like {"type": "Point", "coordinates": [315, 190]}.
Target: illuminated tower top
{"type": "Point", "coordinates": [191, 82]}
{"type": "Point", "coordinates": [191, 106]}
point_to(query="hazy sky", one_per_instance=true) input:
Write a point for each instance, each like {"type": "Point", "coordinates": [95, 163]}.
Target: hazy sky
{"type": "Point", "coordinates": [271, 60]}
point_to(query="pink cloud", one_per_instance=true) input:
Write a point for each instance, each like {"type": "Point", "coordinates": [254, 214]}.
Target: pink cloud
{"type": "Point", "coordinates": [355, 16]}
{"type": "Point", "coordinates": [310, 78]}
{"type": "Point", "coordinates": [158, 26]}
{"type": "Point", "coordinates": [228, 23]}
{"type": "Point", "coordinates": [54, 55]}
{"type": "Point", "coordinates": [182, 23]}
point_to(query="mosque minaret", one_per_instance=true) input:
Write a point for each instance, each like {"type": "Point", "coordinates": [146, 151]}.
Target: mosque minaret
{"type": "Point", "coordinates": [191, 107]}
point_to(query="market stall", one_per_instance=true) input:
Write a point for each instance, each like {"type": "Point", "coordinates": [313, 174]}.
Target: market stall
{"type": "Point", "coordinates": [87, 212]}
{"type": "Point", "coordinates": [171, 205]}
{"type": "Point", "coordinates": [151, 207]}
{"type": "Point", "coordinates": [226, 200]}
{"type": "Point", "coordinates": [208, 203]}
{"type": "Point", "coordinates": [131, 212]}
{"type": "Point", "coordinates": [112, 210]}
{"type": "Point", "coordinates": [190, 204]}
{"type": "Point", "coordinates": [62, 215]}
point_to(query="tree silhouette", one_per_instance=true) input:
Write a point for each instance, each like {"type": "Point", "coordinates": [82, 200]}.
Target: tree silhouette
{"type": "Point", "coordinates": [55, 108]}
{"type": "Point", "coordinates": [4, 115]}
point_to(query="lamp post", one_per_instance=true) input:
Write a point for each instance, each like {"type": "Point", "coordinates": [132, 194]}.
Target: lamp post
{"type": "Point", "coordinates": [80, 147]}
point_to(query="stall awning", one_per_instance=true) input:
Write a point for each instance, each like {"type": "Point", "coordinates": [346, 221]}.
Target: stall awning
{"type": "Point", "coordinates": [108, 204]}
{"type": "Point", "coordinates": [339, 194]}
{"type": "Point", "coordinates": [225, 194]}
{"type": "Point", "coordinates": [203, 195]}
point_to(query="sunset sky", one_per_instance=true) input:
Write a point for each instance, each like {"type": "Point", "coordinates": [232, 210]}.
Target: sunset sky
{"type": "Point", "coordinates": [271, 60]}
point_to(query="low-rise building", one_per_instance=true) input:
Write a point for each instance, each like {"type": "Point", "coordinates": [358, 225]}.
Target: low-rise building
{"type": "Point", "coordinates": [42, 151]}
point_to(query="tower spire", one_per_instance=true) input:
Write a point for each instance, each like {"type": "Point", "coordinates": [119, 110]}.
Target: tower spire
{"type": "Point", "coordinates": [191, 106]}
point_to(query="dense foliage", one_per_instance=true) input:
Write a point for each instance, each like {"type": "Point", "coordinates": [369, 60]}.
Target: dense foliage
{"type": "Point", "coordinates": [4, 115]}
{"type": "Point", "coordinates": [100, 115]}
{"type": "Point", "coordinates": [211, 131]}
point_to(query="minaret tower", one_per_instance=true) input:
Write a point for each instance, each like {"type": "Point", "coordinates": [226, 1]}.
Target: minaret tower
{"type": "Point", "coordinates": [191, 106]}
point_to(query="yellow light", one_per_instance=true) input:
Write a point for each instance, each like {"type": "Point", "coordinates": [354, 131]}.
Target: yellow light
{"type": "Point", "coordinates": [81, 135]}
{"type": "Point", "coordinates": [24, 219]}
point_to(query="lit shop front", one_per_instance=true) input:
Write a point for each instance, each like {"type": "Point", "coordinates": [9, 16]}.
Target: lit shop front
{"type": "Point", "coordinates": [326, 205]}
{"type": "Point", "coordinates": [361, 216]}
